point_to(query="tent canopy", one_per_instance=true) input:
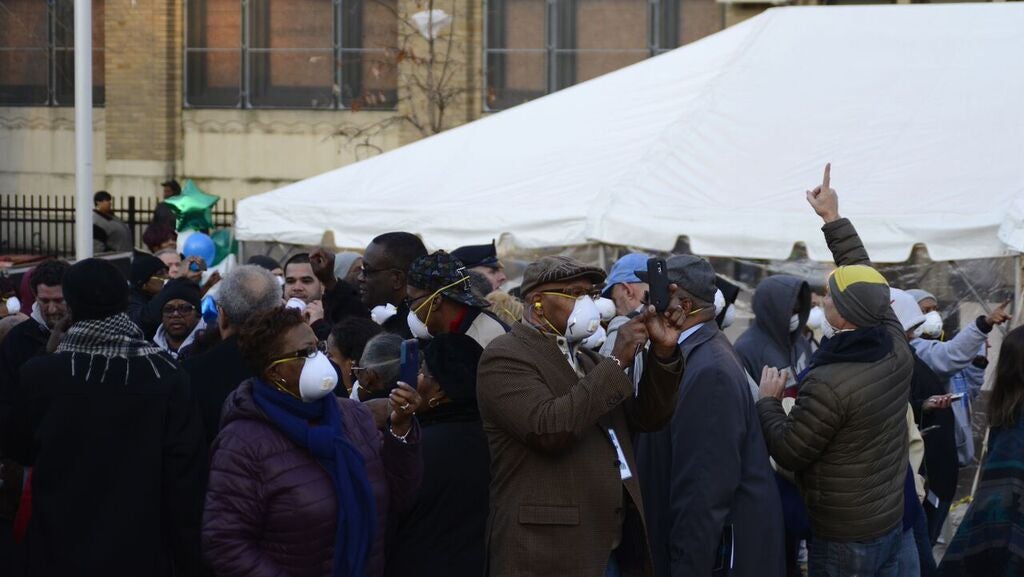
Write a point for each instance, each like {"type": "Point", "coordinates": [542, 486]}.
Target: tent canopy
{"type": "Point", "coordinates": [918, 107]}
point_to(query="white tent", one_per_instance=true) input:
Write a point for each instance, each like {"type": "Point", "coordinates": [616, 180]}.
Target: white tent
{"type": "Point", "coordinates": [918, 107]}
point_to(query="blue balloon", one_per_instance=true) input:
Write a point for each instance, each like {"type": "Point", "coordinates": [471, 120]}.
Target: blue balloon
{"type": "Point", "coordinates": [201, 245]}
{"type": "Point", "coordinates": [209, 310]}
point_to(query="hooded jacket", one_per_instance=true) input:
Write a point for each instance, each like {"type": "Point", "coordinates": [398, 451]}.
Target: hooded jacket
{"type": "Point", "coordinates": [768, 341]}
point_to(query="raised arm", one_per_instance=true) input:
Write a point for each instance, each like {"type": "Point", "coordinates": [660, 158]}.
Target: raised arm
{"type": "Point", "coordinates": [842, 238]}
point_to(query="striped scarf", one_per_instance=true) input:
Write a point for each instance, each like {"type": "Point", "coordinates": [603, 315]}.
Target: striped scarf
{"type": "Point", "coordinates": [115, 337]}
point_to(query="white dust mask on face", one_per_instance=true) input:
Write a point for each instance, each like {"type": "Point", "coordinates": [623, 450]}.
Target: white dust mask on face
{"type": "Point", "coordinates": [295, 303]}
{"type": "Point", "coordinates": [931, 327]}
{"type": "Point", "coordinates": [417, 327]}
{"type": "Point", "coordinates": [584, 320]}
{"type": "Point", "coordinates": [719, 302]}
{"type": "Point", "coordinates": [317, 379]}
{"type": "Point", "coordinates": [730, 317]}
{"type": "Point", "coordinates": [816, 319]}
{"type": "Point", "coordinates": [381, 313]}
{"type": "Point", "coordinates": [606, 307]}
{"type": "Point", "coordinates": [594, 341]}
{"type": "Point", "coordinates": [794, 323]}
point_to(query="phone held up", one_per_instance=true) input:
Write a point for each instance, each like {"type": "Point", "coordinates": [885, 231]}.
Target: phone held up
{"type": "Point", "coordinates": [410, 362]}
{"type": "Point", "coordinates": [657, 278]}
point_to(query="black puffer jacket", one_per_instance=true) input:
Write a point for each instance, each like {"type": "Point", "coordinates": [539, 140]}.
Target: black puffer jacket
{"type": "Point", "coordinates": [846, 438]}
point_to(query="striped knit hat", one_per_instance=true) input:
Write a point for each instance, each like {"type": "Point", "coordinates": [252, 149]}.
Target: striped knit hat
{"type": "Point", "coordinates": [860, 293]}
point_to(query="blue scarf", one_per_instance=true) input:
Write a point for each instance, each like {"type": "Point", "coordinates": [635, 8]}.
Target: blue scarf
{"type": "Point", "coordinates": [357, 513]}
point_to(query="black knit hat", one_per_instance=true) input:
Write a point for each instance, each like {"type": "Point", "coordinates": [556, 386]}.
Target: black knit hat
{"type": "Point", "coordinates": [179, 288]}
{"type": "Point", "coordinates": [144, 266]}
{"type": "Point", "coordinates": [452, 359]}
{"type": "Point", "coordinates": [94, 289]}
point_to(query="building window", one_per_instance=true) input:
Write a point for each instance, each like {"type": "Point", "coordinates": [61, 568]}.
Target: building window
{"type": "Point", "coordinates": [37, 53]}
{"type": "Point", "coordinates": [291, 54]}
{"type": "Point", "coordinates": [535, 47]}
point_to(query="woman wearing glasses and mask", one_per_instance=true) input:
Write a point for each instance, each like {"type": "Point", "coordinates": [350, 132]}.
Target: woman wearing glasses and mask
{"type": "Point", "coordinates": [302, 483]}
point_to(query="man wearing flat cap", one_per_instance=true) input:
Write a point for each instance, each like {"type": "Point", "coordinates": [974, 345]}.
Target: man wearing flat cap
{"type": "Point", "coordinates": [712, 503]}
{"type": "Point", "coordinates": [440, 300]}
{"type": "Point", "coordinates": [560, 419]}
{"type": "Point", "coordinates": [483, 258]}
{"type": "Point", "coordinates": [846, 437]}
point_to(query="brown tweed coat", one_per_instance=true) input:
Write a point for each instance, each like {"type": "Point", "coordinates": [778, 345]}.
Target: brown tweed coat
{"type": "Point", "coordinates": [558, 504]}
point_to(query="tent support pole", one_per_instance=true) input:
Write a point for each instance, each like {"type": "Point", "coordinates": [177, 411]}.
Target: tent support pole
{"type": "Point", "coordinates": [1017, 309]}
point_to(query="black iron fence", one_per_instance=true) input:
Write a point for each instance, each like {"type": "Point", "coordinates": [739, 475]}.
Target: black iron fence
{"type": "Point", "coordinates": [45, 225]}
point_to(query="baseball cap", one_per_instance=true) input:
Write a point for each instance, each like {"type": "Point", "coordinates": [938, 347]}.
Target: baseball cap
{"type": "Point", "coordinates": [624, 271]}
{"type": "Point", "coordinates": [691, 273]}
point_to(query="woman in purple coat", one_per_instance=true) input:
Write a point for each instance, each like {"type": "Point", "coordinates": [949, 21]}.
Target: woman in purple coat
{"type": "Point", "coordinates": [301, 482]}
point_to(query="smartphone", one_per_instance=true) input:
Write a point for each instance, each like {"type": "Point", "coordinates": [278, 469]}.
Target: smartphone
{"type": "Point", "coordinates": [956, 396]}
{"type": "Point", "coordinates": [409, 371]}
{"type": "Point", "coordinates": [657, 278]}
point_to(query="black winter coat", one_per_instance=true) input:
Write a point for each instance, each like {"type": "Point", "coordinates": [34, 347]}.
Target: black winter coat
{"type": "Point", "coordinates": [706, 479]}
{"type": "Point", "coordinates": [443, 534]}
{"type": "Point", "coordinates": [214, 375]}
{"type": "Point", "coordinates": [24, 342]}
{"type": "Point", "coordinates": [120, 467]}
{"type": "Point", "coordinates": [941, 466]}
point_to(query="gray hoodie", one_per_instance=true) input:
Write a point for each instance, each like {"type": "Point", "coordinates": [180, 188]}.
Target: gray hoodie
{"type": "Point", "coordinates": [768, 342]}
{"type": "Point", "coordinates": [948, 358]}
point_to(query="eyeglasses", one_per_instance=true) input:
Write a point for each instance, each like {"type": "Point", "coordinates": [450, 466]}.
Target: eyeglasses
{"type": "Point", "coordinates": [306, 353]}
{"type": "Point", "coordinates": [178, 311]}
{"type": "Point", "coordinates": [367, 271]}
{"type": "Point", "coordinates": [575, 293]}
{"type": "Point", "coordinates": [357, 369]}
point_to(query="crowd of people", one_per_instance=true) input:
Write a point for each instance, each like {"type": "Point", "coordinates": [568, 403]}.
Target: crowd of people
{"type": "Point", "coordinates": [170, 423]}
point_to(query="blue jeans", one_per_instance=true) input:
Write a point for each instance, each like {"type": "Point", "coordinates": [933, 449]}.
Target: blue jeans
{"type": "Point", "coordinates": [924, 546]}
{"type": "Point", "coordinates": [910, 562]}
{"type": "Point", "coordinates": [876, 558]}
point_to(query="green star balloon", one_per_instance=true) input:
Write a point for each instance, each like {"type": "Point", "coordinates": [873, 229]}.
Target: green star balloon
{"type": "Point", "coordinates": [193, 208]}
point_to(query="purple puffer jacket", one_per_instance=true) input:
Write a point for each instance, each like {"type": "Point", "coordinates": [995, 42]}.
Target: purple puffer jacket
{"type": "Point", "coordinates": [271, 508]}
